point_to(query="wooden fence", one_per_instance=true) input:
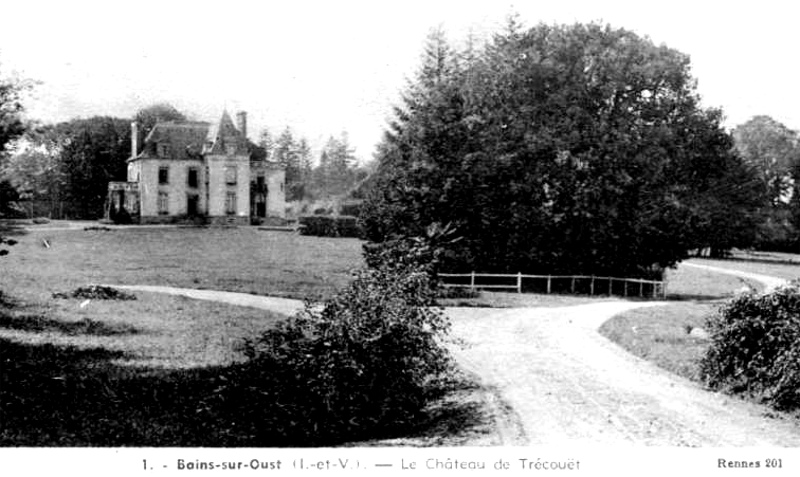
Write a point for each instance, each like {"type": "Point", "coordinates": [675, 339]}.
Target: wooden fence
{"type": "Point", "coordinates": [574, 284]}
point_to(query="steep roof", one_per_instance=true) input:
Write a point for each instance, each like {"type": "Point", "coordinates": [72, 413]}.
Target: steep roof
{"type": "Point", "coordinates": [224, 134]}
{"type": "Point", "coordinates": [184, 140]}
{"type": "Point", "coordinates": [193, 139]}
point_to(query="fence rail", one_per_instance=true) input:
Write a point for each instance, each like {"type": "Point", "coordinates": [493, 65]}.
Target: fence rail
{"type": "Point", "coordinates": [581, 284]}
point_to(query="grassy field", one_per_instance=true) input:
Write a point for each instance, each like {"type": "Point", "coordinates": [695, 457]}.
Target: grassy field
{"type": "Point", "coordinates": [236, 259]}
{"type": "Point", "coordinates": [788, 271]}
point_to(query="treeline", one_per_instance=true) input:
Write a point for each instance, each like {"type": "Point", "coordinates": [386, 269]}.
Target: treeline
{"type": "Point", "coordinates": [336, 172]}
{"type": "Point", "coordinates": [63, 170]}
{"type": "Point", "coordinates": [578, 149]}
{"type": "Point", "coordinates": [773, 151]}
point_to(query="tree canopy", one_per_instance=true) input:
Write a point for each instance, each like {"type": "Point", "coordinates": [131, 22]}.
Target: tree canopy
{"type": "Point", "coordinates": [561, 149]}
{"type": "Point", "coordinates": [772, 150]}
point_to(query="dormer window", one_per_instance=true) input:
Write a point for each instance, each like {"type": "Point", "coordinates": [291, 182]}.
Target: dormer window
{"type": "Point", "coordinates": [163, 150]}
{"type": "Point", "coordinates": [230, 149]}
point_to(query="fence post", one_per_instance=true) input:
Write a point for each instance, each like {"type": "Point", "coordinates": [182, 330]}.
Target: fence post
{"type": "Point", "coordinates": [472, 281]}
{"type": "Point", "coordinates": [591, 287]}
{"type": "Point", "coordinates": [626, 288]}
{"type": "Point", "coordinates": [572, 286]}
{"type": "Point", "coordinates": [519, 282]}
{"type": "Point", "coordinates": [548, 284]}
{"type": "Point", "coordinates": [640, 289]}
{"type": "Point", "coordinates": [610, 286]}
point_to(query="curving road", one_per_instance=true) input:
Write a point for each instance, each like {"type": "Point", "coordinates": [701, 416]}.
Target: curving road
{"type": "Point", "coordinates": [560, 382]}
{"type": "Point", "coordinates": [566, 384]}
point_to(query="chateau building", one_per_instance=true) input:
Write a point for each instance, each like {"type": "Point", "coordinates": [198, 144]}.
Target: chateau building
{"type": "Point", "coordinates": [187, 171]}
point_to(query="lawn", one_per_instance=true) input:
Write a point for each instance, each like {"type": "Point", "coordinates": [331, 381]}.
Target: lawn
{"type": "Point", "coordinates": [158, 370]}
{"type": "Point", "coordinates": [662, 334]}
{"type": "Point", "coordinates": [786, 270]}
{"type": "Point", "coordinates": [233, 259]}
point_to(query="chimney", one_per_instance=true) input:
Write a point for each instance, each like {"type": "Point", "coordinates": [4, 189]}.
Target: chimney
{"type": "Point", "coordinates": [134, 138]}
{"type": "Point", "coordinates": [241, 122]}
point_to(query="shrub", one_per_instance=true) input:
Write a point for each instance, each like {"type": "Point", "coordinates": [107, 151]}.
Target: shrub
{"type": "Point", "coordinates": [367, 360]}
{"type": "Point", "coordinates": [330, 226]}
{"type": "Point", "coordinates": [96, 292]}
{"type": "Point", "coordinates": [755, 347]}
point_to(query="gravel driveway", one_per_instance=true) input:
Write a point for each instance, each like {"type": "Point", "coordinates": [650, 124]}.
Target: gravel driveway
{"type": "Point", "coordinates": [566, 384]}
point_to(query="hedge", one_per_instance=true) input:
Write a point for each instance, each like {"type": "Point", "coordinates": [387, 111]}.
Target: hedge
{"type": "Point", "coordinates": [755, 349]}
{"type": "Point", "coordinates": [330, 226]}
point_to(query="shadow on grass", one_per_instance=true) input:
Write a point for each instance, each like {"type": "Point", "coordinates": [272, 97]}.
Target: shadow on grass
{"type": "Point", "coordinates": [65, 396]}
{"type": "Point", "coordinates": [12, 228]}
{"type": "Point", "coordinates": [37, 323]}
{"type": "Point", "coordinates": [697, 297]}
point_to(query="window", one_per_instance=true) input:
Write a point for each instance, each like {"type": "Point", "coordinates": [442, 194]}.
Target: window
{"type": "Point", "coordinates": [191, 177]}
{"type": "Point", "coordinates": [230, 203]}
{"type": "Point", "coordinates": [163, 203]}
{"type": "Point", "coordinates": [163, 150]}
{"type": "Point", "coordinates": [260, 182]}
{"type": "Point", "coordinates": [230, 175]}
{"type": "Point", "coordinates": [230, 149]}
{"type": "Point", "coordinates": [163, 175]}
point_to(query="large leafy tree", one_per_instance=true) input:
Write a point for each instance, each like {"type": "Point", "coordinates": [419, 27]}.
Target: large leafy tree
{"type": "Point", "coordinates": [94, 152]}
{"type": "Point", "coordinates": [148, 116]}
{"type": "Point", "coordinates": [12, 126]}
{"type": "Point", "coordinates": [772, 150]}
{"type": "Point", "coordinates": [561, 149]}
{"type": "Point", "coordinates": [34, 170]}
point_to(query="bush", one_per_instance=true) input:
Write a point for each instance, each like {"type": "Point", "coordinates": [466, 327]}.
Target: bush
{"type": "Point", "coordinates": [367, 361]}
{"type": "Point", "coordinates": [755, 347]}
{"type": "Point", "coordinates": [96, 292]}
{"type": "Point", "coordinates": [330, 226]}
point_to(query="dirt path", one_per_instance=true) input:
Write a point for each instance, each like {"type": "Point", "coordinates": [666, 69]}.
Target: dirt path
{"type": "Point", "coordinates": [284, 306]}
{"type": "Point", "coordinates": [566, 384]}
{"type": "Point", "coordinates": [768, 281]}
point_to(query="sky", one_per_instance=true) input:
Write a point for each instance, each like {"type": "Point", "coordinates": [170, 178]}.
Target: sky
{"type": "Point", "coordinates": [324, 67]}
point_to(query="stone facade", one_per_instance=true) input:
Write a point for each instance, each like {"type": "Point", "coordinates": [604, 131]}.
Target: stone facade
{"type": "Point", "coordinates": [195, 171]}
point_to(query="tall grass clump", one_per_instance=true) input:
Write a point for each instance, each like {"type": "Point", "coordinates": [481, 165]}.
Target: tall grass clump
{"type": "Point", "coordinates": [367, 361]}
{"type": "Point", "coordinates": [755, 349]}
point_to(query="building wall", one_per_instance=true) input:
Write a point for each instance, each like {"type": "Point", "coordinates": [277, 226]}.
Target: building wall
{"type": "Point", "coordinates": [276, 196]}
{"type": "Point", "coordinates": [218, 187]}
{"type": "Point", "coordinates": [176, 188]}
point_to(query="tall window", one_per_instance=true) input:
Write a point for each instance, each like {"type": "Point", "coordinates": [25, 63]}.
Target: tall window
{"type": "Point", "coordinates": [163, 175]}
{"type": "Point", "coordinates": [163, 150]}
{"type": "Point", "coordinates": [230, 203]}
{"type": "Point", "coordinates": [230, 175]}
{"type": "Point", "coordinates": [163, 203]}
{"type": "Point", "coordinates": [192, 177]}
